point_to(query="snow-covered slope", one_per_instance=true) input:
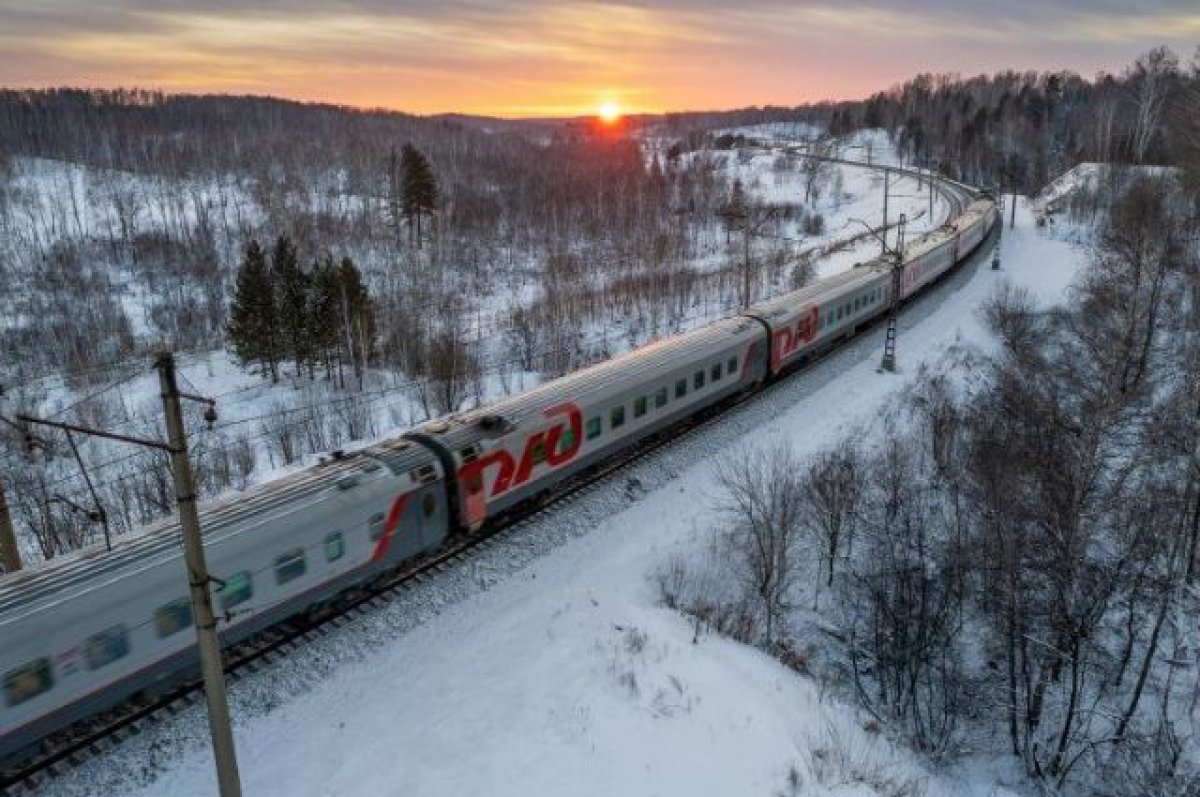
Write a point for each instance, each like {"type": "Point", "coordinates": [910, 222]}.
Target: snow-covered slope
{"type": "Point", "coordinates": [546, 667]}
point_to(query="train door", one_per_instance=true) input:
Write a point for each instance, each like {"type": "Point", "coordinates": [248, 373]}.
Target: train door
{"type": "Point", "coordinates": [474, 496]}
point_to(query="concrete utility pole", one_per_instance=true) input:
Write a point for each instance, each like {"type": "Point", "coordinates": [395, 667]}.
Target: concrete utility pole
{"type": "Point", "coordinates": [10, 554]}
{"type": "Point", "coordinates": [887, 173]}
{"type": "Point", "coordinates": [888, 363]}
{"type": "Point", "coordinates": [930, 196]}
{"type": "Point", "coordinates": [198, 580]}
{"type": "Point", "coordinates": [746, 260]}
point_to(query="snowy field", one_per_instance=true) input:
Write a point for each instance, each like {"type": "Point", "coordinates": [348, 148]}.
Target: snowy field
{"type": "Point", "coordinates": [546, 667]}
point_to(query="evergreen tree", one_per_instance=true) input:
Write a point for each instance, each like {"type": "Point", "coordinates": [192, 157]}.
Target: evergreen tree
{"type": "Point", "coordinates": [324, 307]}
{"type": "Point", "coordinates": [252, 329]}
{"type": "Point", "coordinates": [292, 289]}
{"type": "Point", "coordinates": [419, 187]}
{"type": "Point", "coordinates": [357, 317]}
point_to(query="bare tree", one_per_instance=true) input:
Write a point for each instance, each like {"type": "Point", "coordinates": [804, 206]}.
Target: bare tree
{"type": "Point", "coordinates": [762, 503]}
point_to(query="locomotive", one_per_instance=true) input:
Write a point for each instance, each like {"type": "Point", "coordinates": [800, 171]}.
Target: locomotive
{"type": "Point", "coordinates": [84, 632]}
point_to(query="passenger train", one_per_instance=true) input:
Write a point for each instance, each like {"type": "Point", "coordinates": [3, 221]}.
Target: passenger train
{"type": "Point", "coordinates": [80, 634]}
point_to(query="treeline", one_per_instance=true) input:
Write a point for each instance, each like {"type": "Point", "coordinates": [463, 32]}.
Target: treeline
{"type": "Point", "coordinates": [1013, 560]}
{"type": "Point", "coordinates": [1021, 129]}
{"type": "Point", "coordinates": [316, 317]}
{"type": "Point", "coordinates": [175, 187]}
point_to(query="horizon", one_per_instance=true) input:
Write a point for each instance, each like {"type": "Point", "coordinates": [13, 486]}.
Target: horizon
{"type": "Point", "coordinates": [525, 59]}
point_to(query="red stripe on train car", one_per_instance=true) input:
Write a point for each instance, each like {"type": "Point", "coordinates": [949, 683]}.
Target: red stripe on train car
{"type": "Point", "coordinates": [389, 527]}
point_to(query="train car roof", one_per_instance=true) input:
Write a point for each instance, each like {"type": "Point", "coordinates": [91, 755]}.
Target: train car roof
{"type": "Point", "coordinates": [817, 292]}
{"type": "Point", "coordinates": [48, 581]}
{"type": "Point", "coordinates": [594, 382]}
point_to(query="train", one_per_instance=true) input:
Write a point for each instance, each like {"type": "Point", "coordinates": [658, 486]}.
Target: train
{"type": "Point", "coordinates": [82, 633]}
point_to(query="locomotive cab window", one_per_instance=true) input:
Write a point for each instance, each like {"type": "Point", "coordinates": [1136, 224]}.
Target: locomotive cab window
{"type": "Point", "coordinates": [173, 617]}
{"type": "Point", "coordinates": [335, 547]}
{"type": "Point", "coordinates": [106, 647]}
{"type": "Point", "coordinates": [27, 682]}
{"type": "Point", "coordinates": [639, 406]}
{"type": "Point", "coordinates": [660, 398]}
{"type": "Point", "coordinates": [236, 590]}
{"type": "Point", "coordinates": [617, 416]}
{"type": "Point", "coordinates": [593, 428]}
{"type": "Point", "coordinates": [290, 566]}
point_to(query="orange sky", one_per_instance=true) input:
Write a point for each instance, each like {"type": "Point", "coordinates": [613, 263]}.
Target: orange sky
{"type": "Point", "coordinates": [529, 58]}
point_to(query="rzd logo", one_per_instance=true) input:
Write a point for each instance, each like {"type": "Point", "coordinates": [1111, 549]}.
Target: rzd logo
{"type": "Point", "coordinates": [788, 339]}
{"type": "Point", "coordinates": [543, 445]}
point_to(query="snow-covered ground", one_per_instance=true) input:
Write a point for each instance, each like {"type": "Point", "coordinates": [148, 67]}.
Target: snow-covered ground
{"type": "Point", "coordinates": [546, 666]}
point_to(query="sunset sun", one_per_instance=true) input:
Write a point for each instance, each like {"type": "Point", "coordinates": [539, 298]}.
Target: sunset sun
{"type": "Point", "coordinates": [610, 112]}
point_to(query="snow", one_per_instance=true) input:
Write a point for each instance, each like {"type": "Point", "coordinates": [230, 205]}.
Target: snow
{"type": "Point", "coordinates": [1088, 176]}
{"type": "Point", "coordinates": [545, 665]}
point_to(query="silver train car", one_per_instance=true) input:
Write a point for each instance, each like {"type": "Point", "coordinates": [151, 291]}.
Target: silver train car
{"type": "Point", "coordinates": [82, 633]}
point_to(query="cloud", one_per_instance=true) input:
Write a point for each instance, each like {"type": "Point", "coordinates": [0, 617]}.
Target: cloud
{"type": "Point", "coordinates": [528, 57]}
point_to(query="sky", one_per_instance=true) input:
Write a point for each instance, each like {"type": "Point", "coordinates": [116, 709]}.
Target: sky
{"type": "Point", "coordinates": [522, 58]}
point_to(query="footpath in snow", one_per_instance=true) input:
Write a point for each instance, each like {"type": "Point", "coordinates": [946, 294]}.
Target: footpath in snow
{"type": "Point", "coordinates": [545, 666]}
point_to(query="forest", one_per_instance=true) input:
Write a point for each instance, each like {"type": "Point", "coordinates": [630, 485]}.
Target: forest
{"type": "Point", "coordinates": [453, 253]}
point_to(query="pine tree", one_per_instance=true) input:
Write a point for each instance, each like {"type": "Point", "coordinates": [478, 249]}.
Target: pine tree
{"type": "Point", "coordinates": [252, 329]}
{"type": "Point", "coordinates": [420, 187]}
{"type": "Point", "coordinates": [357, 317]}
{"type": "Point", "coordinates": [324, 304]}
{"type": "Point", "coordinates": [292, 289]}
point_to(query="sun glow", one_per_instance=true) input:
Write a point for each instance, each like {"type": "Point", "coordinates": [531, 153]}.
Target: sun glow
{"type": "Point", "coordinates": [609, 112]}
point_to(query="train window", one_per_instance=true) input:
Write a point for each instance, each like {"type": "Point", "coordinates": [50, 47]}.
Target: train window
{"type": "Point", "coordinates": [290, 566]}
{"type": "Point", "coordinates": [617, 416]}
{"type": "Point", "coordinates": [731, 366]}
{"type": "Point", "coordinates": [567, 441]}
{"type": "Point", "coordinates": [593, 428]}
{"type": "Point", "coordinates": [428, 505]}
{"type": "Point", "coordinates": [236, 590]}
{"type": "Point", "coordinates": [27, 682]}
{"type": "Point", "coordinates": [698, 380]}
{"type": "Point", "coordinates": [839, 314]}
{"type": "Point", "coordinates": [639, 406]}
{"type": "Point", "coordinates": [173, 617]}
{"type": "Point", "coordinates": [106, 647]}
{"type": "Point", "coordinates": [335, 547]}
{"type": "Point", "coordinates": [375, 526]}
{"type": "Point", "coordinates": [681, 388]}
{"type": "Point", "coordinates": [716, 373]}
{"type": "Point", "coordinates": [660, 397]}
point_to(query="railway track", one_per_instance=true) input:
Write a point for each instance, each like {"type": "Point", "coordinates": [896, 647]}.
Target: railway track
{"type": "Point", "coordinates": [99, 735]}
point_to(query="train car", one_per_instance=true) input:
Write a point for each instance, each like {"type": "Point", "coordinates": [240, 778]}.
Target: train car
{"type": "Point", "coordinates": [85, 632]}
{"type": "Point", "coordinates": [818, 315]}
{"type": "Point", "coordinates": [524, 445]}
